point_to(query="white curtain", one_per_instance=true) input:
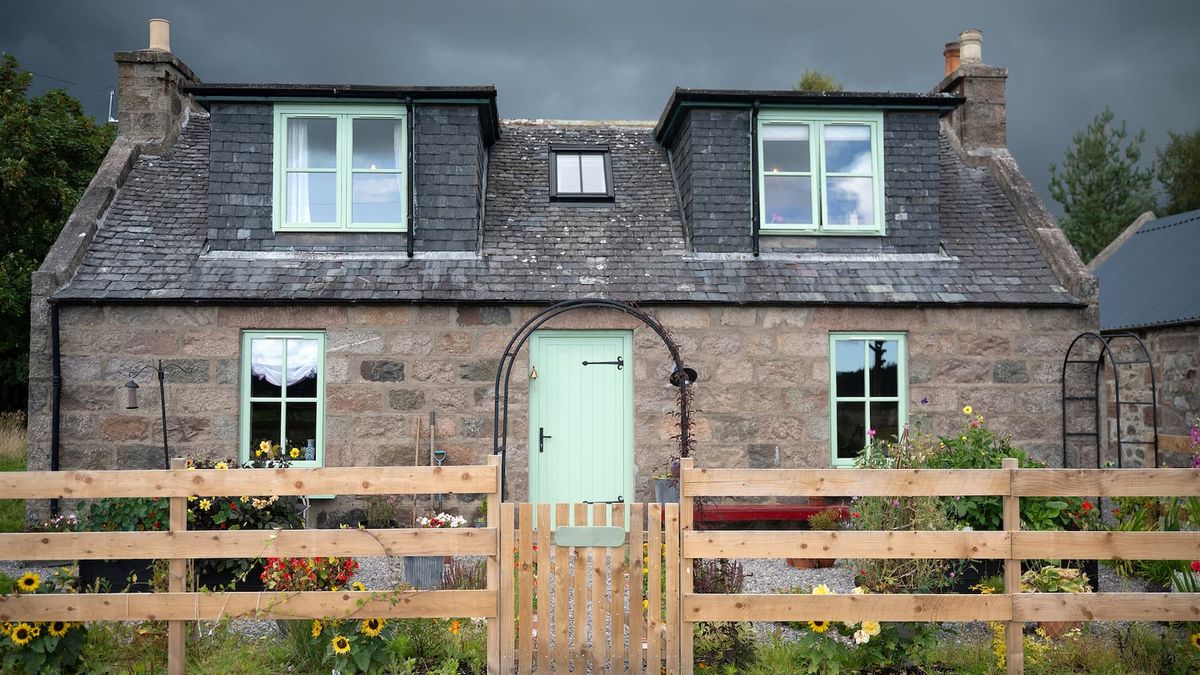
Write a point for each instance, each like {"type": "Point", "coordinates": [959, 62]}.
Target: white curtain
{"type": "Point", "coordinates": [297, 186]}
{"type": "Point", "coordinates": [267, 362]}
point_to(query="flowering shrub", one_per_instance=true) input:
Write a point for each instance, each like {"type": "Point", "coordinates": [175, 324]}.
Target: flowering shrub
{"type": "Point", "coordinates": [442, 520]}
{"type": "Point", "coordinates": [39, 646]}
{"type": "Point", "coordinates": [354, 645]}
{"type": "Point", "coordinates": [308, 574]}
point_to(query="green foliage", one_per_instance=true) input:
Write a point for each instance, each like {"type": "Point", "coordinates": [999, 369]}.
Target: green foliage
{"type": "Point", "coordinates": [723, 646]}
{"type": "Point", "coordinates": [1151, 514]}
{"type": "Point", "coordinates": [437, 646]}
{"type": "Point", "coordinates": [34, 647]}
{"type": "Point", "coordinates": [720, 575]}
{"type": "Point", "coordinates": [1179, 171]}
{"type": "Point", "coordinates": [815, 80]}
{"type": "Point", "coordinates": [829, 519]}
{"type": "Point", "coordinates": [1100, 186]}
{"type": "Point", "coordinates": [49, 150]}
{"type": "Point", "coordinates": [133, 514]}
{"type": "Point", "coordinates": [1051, 579]}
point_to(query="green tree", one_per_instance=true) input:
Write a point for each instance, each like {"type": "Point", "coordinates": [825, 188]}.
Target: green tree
{"type": "Point", "coordinates": [815, 80]}
{"type": "Point", "coordinates": [49, 150]}
{"type": "Point", "coordinates": [1179, 172]}
{"type": "Point", "coordinates": [1100, 187]}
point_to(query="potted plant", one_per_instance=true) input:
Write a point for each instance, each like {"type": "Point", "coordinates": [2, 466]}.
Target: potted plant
{"type": "Point", "coordinates": [480, 516]}
{"type": "Point", "coordinates": [425, 571]}
{"type": "Point", "coordinates": [117, 515]}
{"type": "Point", "coordinates": [1052, 579]}
{"type": "Point", "coordinates": [666, 484]}
{"type": "Point", "coordinates": [828, 519]}
{"type": "Point", "coordinates": [381, 512]}
{"type": "Point", "coordinates": [325, 573]}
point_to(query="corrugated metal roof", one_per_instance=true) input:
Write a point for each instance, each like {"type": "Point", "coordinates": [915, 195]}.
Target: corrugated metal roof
{"type": "Point", "coordinates": [1152, 279]}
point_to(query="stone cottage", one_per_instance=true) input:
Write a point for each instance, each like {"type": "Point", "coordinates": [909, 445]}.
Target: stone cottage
{"type": "Point", "coordinates": [331, 264]}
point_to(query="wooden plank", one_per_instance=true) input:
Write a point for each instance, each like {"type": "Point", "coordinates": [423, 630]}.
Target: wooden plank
{"type": "Point", "coordinates": [493, 572]}
{"type": "Point", "coordinates": [671, 539]}
{"type": "Point", "coordinates": [217, 606]}
{"type": "Point", "coordinates": [1014, 641]}
{"type": "Point", "coordinates": [525, 588]}
{"type": "Point", "coordinates": [687, 518]}
{"type": "Point", "coordinates": [1171, 443]}
{"type": "Point", "coordinates": [606, 536]}
{"type": "Point", "coordinates": [616, 603]}
{"type": "Point", "coordinates": [599, 588]}
{"type": "Point", "coordinates": [1107, 607]}
{"type": "Point", "coordinates": [1106, 545]}
{"type": "Point", "coordinates": [545, 605]}
{"type": "Point", "coordinates": [176, 580]}
{"type": "Point", "coordinates": [845, 544]}
{"type": "Point", "coordinates": [654, 625]}
{"type": "Point", "coordinates": [1106, 483]}
{"type": "Point", "coordinates": [247, 543]}
{"type": "Point", "coordinates": [291, 481]}
{"type": "Point", "coordinates": [803, 607]}
{"type": "Point", "coordinates": [579, 596]}
{"type": "Point", "coordinates": [637, 594]}
{"type": "Point", "coordinates": [841, 482]}
{"type": "Point", "coordinates": [562, 596]}
{"type": "Point", "coordinates": [508, 609]}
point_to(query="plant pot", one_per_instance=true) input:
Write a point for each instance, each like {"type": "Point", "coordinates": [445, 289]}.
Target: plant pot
{"type": "Point", "coordinates": [811, 563]}
{"type": "Point", "coordinates": [424, 571]}
{"type": "Point", "coordinates": [224, 579]}
{"type": "Point", "coordinates": [1057, 629]}
{"type": "Point", "coordinates": [666, 490]}
{"type": "Point", "coordinates": [113, 576]}
{"type": "Point", "coordinates": [481, 522]}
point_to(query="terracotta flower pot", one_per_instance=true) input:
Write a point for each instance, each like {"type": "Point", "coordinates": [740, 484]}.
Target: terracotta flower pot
{"type": "Point", "coordinates": [1057, 629]}
{"type": "Point", "coordinates": [811, 563]}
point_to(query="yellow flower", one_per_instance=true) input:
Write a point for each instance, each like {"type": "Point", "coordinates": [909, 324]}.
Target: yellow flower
{"type": "Point", "coordinates": [317, 627]}
{"type": "Point", "coordinates": [340, 645]}
{"type": "Point", "coordinates": [295, 453]}
{"type": "Point", "coordinates": [192, 498]}
{"type": "Point", "coordinates": [645, 604]}
{"type": "Point", "coordinates": [29, 582]}
{"type": "Point", "coordinates": [205, 505]}
{"type": "Point", "coordinates": [58, 628]}
{"type": "Point", "coordinates": [5, 629]}
{"type": "Point", "coordinates": [858, 590]}
{"type": "Point", "coordinates": [645, 570]}
{"type": "Point", "coordinates": [258, 453]}
{"type": "Point", "coordinates": [372, 627]}
{"type": "Point", "coordinates": [37, 630]}
{"type": "Point", "coordinates": [265, 446]}
{"type": "Point", "coordinates": [871, 628]}
{"type": "Point", "coordinates": [454, 626]}
{"type": "Point", "coordinates": [820, 589]}
{"type": "Point", "coordinates": [358, 586]}
{"type": "Point", "coordinates": [967, 410]}
{"type": "Point", "coordinates": [818, 626]}
{"type": "Point", "coordinates": [22, 634]}
{"type": "Point", "coordinates": [221, 465]}
{"type": "Point", "coordinates": [1195, 640]}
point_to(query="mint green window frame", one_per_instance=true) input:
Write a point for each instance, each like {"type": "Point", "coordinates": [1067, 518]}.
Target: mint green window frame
{"type": "Point", "coordinates": [283, 399]}
{"type": "Point", "coordinates": [817, 121]}
{"type": "Point", "coordinates": [345, 171]}
{"type": "Point", "coordinates": [901, 397]}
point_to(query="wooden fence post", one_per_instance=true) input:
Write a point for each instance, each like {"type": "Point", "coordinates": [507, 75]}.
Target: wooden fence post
{"type": "Point", "coordinates": [1014, 630]}
{"type": "Point", "coordinates": [493, 571]}
{"type": "Point", "coordinates": [686, 522]}
{"type": "Point", "coordinates": [176, 582]}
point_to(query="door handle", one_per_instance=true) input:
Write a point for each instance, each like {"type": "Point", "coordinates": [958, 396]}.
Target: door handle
{"type": "Point", "coordinates": [542, 436]}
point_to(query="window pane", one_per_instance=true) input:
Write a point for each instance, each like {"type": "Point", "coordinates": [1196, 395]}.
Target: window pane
{"type": "Point", "coordinates": [266, 367]}
{"type": "Point", "coordinates": [592, 167]}
{"type": "Point", "coordinates": [377, 144]}
{"type": "Point", "coordinates": [885, 420]}
{"type": "Point", "coordinates": [567, 171]}
{"type": "Point", "coordinates": [785, 147]}
{"type": "Point", "coordinates": [311, 143]}
{"type": "Point", "coordinates": [882, 359]}
{"type": "Point", "coordinates": [303, 357]}
{"type": "Point", "coordinates": [264, 424]}
{"type": "Point", "coordinates": [850, 201]}
{"type": "Point", "coordinates": [787, 200]}
{"type": "Point", "coordinates": [851, 429]}
{"type": "Point", "coordinates": [301, 425]}
{"type": "Point", "coordinates": [377, 198]}
{"type": "Point", "coordinates": [311, 198]}
{"type": "Point", "coordinates": [847, 148]}
{"type": "Point", "coordinates": [848, 362]}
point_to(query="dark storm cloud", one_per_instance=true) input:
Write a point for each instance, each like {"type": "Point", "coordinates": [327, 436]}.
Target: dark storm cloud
{"type": "Point", "coordinates": [619, 60]}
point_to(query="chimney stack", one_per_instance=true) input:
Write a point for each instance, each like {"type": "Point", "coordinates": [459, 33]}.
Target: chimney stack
{"type": "Point", "coordinates": [980, 121]}
{"type": "Point", "coordinates": [151, 106]}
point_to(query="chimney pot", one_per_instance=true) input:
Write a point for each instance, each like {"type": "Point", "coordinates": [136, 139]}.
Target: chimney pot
{"type": "Point", "coordinates": [951, 54]}
{"type": "Point", "coordinates": [970, 46]}
{"type": "Point", "coordinates": [160, 35]}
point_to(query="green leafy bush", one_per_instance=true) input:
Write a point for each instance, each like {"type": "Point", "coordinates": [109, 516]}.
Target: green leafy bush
{"type": "Point", "coordinates": [33, 647]}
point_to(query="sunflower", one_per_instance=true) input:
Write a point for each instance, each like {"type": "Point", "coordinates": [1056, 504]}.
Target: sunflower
{"type": "Point", "coordinates": [221, 465]}
{"type": "Point", "coordinates": [871, 628]}
{"type": "Point", "coordinates": [29, 582]}
{"type": "Point", "coordinates": [340, 645]}
{"type": "Point", "coordinates": [818, 626]}
{"type": "Point", "coordinates": [967, 410]}
{"type": "Point", "coordinates": [36, 631]}
{"type": "Point", "coordinates": [317, 627]}
{"type": "Point", "coordinates": [295, 453]}
{"type": "Point", "coordinates": [58, 628]}
{"type": "Point", "coordinates": [372, 627]}
{"type": "Point", "coordinates": [22, 634]}
{"type": "Point", "coordinates": [1195, 640]}
{"type": "Point", "coordinates": [358, 586]}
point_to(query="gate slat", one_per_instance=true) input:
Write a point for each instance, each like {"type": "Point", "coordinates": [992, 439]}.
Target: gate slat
{"type": "Point", "coordinates": [654, 583]}
{"type": "Point", "coordinates": [562, 596]}
{"type": "Point", "coordinates": [671, 539]}
{"type": "Point", "coordinates": [616, 605]}
{"type": "Point", "coordinates": [545, 540]}
{"type": "Point", "coordinates": [598, 555]}
{"type": "Point", "coordinates": [525, 590]}
{"type": "Point", "coordinates": [636, 593]}
{"type": "Point", "coordinates": [579, 595]}
{"type": "Point", "coordinates": [507, 610]}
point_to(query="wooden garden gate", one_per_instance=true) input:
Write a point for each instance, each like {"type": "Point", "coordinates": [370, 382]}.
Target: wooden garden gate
{"type": "Point", "coordinates": [588, 593]}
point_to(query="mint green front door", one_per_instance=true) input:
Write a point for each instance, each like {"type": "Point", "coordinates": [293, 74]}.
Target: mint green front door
{"type": "Point", "coordinates": [581, 416]}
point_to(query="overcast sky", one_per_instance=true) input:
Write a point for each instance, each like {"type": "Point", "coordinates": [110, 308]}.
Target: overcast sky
{"type": "Point", "coordinates": [620, 60]}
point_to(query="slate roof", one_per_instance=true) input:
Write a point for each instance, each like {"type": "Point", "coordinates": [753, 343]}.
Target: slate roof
{"type": "Point", "coordinates": [151, 244]}
{"type": "Point", "coordinates": [1146, 282]}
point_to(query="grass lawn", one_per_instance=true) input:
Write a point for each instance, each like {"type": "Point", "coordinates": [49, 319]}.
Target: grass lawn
{"type": "Point", "coordinates": [12, 458]}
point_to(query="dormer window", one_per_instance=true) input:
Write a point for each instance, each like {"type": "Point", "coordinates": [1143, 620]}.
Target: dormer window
{"type": "Point", "coordinates": [580, 172]}
{"type": "Point", "coordinates": [340, 168]}
{"type": "Point", "coordinates": [820, 172]}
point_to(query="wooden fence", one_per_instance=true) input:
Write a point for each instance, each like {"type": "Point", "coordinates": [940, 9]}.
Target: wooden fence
{"type": "Point", "coordinates": [1011, 545]}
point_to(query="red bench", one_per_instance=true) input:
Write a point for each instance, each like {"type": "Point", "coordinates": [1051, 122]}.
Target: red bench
{"type": "Point", "coordinates": [734, 513]}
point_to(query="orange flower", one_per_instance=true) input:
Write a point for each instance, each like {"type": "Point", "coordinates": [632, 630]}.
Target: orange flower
{"type": "Point", "coordinates": [454, 626]}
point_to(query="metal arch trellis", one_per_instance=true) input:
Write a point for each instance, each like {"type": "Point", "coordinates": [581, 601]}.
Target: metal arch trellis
{"type": "Point", "coordinates": [680, 375]}
{"type": "Point", "coordinates": [1106, 352]}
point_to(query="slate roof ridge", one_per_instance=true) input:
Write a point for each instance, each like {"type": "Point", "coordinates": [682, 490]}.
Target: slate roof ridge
{"type": "Point", "coordinates": [632, 124]}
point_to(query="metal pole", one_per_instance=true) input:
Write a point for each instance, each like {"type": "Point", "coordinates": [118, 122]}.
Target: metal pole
{"type": "Point", "coordinates": [162, 400]}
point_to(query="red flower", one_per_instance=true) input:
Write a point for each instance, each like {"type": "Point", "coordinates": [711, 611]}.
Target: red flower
{"type": "Point", "coordinates": [1196, 565]}
{"type": "Point", "coordinates": [856, 515]}
{"type": "Point", "coordinates": [1087, 506]}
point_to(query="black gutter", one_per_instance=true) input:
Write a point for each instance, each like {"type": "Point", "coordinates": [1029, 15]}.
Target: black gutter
{"type": "Point", "coordinates": [55, 396]}
{"type": "Point", "coordinates": [754, 215]}
{"type": "Point", "coordinates": [412, 233]}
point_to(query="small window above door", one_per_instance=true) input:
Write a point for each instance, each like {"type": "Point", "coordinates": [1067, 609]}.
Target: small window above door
{"type": "Point", "coordinates": [580, 173]}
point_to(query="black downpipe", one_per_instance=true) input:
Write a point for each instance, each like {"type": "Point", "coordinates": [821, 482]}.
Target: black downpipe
{"type": "Point", "coordinates": [754, 177]}
{"type": "Point", "coordinates": [408, 117]}
{"type": "Point", "coordinates": [55, 396]}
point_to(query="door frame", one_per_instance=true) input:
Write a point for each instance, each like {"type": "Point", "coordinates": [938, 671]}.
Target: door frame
{"type": "Point", "coordinates": [626, 337]}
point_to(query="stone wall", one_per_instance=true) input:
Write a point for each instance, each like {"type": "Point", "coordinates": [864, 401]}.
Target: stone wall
{"type": "Point", "coordinates": [761, 401]}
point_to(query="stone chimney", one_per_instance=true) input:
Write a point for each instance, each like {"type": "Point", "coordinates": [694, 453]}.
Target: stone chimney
{"type": "Point", "coordinates": [980, 121]}
{"type": "Point", "coordinates": [150, 106]}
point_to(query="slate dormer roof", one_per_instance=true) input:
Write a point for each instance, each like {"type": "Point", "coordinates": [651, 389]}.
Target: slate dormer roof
{"type": "Point", "coordinates": [151, 245]}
